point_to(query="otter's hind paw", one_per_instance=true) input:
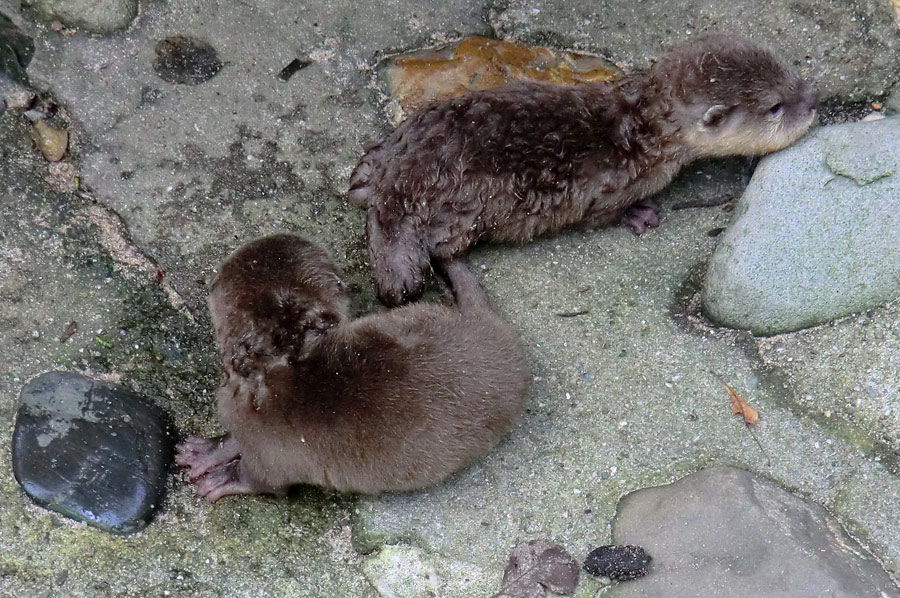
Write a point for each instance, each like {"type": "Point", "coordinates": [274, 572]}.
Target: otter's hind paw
{"type": "Point", "coordinates": [400, 290]}
{"type": "Point", "coordinates": [400, 275]}
{"type": "Point", "coordinates": [641, 216]}
{"type": "Point", "coordinates": [223, 480]}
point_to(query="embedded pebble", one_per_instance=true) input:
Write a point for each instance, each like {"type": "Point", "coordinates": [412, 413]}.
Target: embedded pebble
{"type": "Point", "coordinates": [92, 451]}
{"type": "Point", "coordinates": [538, 565]}
{"type": "Point", "coordinates": [187, 60]}
{"type": "Point", "coordinates": [51, 140]}
{"type": "Point", "coordinates": [20, 100]}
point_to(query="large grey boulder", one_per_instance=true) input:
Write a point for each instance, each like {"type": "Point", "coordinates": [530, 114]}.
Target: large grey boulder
{"type": "Point", "coordinates": [815, 236]}
{"type": "Point", "coordinates": [725, 532]}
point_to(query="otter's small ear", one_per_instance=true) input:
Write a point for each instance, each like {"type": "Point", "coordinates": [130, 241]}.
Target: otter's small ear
{"type": "Point", "coordinates": [715, 115]}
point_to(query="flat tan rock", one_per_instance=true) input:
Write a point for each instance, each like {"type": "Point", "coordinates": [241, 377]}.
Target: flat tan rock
{"type": "Point", "coordinates": [481, 63]}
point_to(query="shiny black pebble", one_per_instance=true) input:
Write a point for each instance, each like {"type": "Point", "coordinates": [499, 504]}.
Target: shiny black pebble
{"type": "Point", "coordinates": [617, 562]}
{"type": "Point", "coordinates": [92, 451]}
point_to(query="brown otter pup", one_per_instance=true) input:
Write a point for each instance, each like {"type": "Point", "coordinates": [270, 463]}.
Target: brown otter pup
{"type": "Point", "coordinates": [509, 163]}
{"type": "Point", "coordinates": [392, 401]}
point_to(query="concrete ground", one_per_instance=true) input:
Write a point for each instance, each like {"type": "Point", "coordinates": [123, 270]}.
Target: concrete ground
{"type": "Point", "coordinates": [625, 395]}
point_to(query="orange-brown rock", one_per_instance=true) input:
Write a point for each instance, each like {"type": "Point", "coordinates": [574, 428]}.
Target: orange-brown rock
{"type": "Point", "coordinates": [481, 63]}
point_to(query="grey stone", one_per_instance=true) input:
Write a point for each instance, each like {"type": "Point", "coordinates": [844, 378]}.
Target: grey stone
{"type": "Point", "coordinates": [724, 532]}
{"type": "Point", "coordinates": [16, 50]}
{"type": "Point", "coordinates": [815, 235]}
{"type": "Point", "coordinates": [91, 450]}
{"type": "Point", "coordinates": [399, 571]}
{"type": "Point", "coordinates": [96, 16]}
{"type": "Point", "coordinates": [538, 568]}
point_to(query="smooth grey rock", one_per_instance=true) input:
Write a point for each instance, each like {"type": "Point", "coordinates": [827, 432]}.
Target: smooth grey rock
{"type": "Point", "coordinates": [96, 16]}
{"type": "Point", "coordinates": [724, 532]}
{"type": "Point", "coordinates": [91, 450]}
{"type": "Point", "coordinates": [815, 236]}
{"type": "Point", "coordinates": [400, 571]}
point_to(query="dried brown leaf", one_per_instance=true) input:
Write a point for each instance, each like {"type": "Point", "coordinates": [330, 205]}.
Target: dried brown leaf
{"type": "Point", "coordinates": [739, 406]}
{"type": "Point", "coordinates": [70, 330]}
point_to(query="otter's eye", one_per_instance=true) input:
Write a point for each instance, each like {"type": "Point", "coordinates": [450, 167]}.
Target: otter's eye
{"type": "Point", "coordinates": [776, 110]}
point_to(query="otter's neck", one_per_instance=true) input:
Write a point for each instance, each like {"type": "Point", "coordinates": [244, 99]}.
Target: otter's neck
{"type": "Point", "coordinates": [655, 111]}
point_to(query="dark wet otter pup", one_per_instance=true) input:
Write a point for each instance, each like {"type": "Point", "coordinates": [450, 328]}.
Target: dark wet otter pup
{"type": "Point", "coordinates": [509, 163]}
{"type": "Point", "coordinates": [392, 401]}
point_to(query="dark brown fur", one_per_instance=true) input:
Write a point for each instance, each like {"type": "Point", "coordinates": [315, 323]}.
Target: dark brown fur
{"type": "Point", "coordinates": [393, 401]}
{"type": "Point", "coordinates": [513, 162]}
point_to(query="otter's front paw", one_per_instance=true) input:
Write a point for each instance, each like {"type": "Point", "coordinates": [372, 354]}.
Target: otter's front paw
{"type": "Point", "coordinates": [200, 455]}
{"type": "Point", "coordinates": [641, 216]}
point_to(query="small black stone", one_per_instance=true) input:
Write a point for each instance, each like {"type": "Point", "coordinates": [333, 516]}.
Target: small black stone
{"type": "Point", "coordinates": [617, 562]}
{"type": "Point", "coordinates": [16, 50]}
{"type": "Point", "coordinates": [92, 451]}
{"type": "Point", "coordinates": [187, 60]}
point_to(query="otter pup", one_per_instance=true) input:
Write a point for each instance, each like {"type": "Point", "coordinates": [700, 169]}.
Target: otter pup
{"type": "Point", "coordinates": [512, 162]}
{"type": "Point", "coordinates": [392, 401]}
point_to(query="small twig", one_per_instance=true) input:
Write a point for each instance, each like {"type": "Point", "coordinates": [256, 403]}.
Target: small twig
{"type": "Point", "coordinates": [572, 314]}
{"type": "Point", "coordinates": [703, 203]}
{"type": "Point", "coordinates": [759, 444]}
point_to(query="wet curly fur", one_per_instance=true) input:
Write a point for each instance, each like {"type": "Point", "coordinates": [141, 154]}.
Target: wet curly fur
{"type": "Point", "coordinates": [517, 161]}
{"type": "Point", "coordinates": [391, 401]}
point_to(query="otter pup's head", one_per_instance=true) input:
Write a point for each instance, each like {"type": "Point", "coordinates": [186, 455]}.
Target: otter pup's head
{"type": "Point", "coordinates": [275, 297]}
{"type": "Point", "coordinates": [731, 96]}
